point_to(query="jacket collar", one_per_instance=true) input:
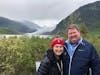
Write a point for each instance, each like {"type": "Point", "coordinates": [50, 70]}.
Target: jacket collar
{"type": "Point", "coordinates": [79, 42]}
{"type": "Point", "coordinates": [51, 56]}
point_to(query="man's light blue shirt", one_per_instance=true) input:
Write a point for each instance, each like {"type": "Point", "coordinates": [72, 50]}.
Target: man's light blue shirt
{"type": "Point", "coordinates": [72, 47]}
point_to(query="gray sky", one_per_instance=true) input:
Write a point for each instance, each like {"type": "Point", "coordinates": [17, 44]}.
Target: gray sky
{"type": "Point", "coordinates": [42, 12]}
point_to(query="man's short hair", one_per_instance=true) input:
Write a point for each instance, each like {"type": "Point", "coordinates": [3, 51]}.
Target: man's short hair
{"type": "Point", "coordinates": [73, 26]}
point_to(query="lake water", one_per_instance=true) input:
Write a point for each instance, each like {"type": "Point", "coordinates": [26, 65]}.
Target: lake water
{"type": "Point", "coordinates": [29, 35]}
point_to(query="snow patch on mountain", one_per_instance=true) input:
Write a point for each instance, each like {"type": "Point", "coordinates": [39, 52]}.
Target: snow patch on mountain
{"type": "Point", "coordinates": [43, 30]}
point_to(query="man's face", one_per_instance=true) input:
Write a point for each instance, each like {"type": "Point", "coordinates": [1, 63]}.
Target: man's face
{"type": "Point", "coordinates": [73, 35]}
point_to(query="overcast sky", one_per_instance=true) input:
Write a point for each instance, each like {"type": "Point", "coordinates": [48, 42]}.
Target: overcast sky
{"type": "Point", "coordinates": [42, 12]}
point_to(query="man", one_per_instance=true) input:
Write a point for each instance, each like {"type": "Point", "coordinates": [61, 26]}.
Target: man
{"type": "Point", "coordinates": [80, 54]}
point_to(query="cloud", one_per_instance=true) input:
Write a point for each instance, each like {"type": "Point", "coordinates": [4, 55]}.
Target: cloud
{"type": "Point", "coordinates": [46, 23]}
{"type": "Point", "coordinates": [44, 10]}
{"type": "Point", "coordinates": [38, 9]}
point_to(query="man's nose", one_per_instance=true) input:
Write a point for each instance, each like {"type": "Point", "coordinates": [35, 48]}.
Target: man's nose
{"type": "Point", "coordinates": [72, 34]}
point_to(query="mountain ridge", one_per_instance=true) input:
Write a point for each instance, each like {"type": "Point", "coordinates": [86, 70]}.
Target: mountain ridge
{"type": "Point", "coordinates": [16, 26]}
{"type": "Point", "coordinates": [87, 15]}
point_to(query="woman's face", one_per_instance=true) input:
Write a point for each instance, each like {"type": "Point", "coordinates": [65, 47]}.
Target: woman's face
{"type": "Point", "coordinates": [58, 49]}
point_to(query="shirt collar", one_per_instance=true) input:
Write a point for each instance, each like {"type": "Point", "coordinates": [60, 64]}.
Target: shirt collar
{"type": "Point", "coordinates": [79, 42]}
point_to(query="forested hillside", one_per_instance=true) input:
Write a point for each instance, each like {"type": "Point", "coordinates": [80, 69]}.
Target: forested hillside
{"type": "Point", "coordinates": [87, 16]}
{"type": "Point", "coordinates": [8, 26]}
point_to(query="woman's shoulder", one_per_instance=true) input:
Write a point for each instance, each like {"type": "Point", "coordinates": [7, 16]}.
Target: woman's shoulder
{"type": "Point", "coordinates": [45, 62]}
{"type": "Point", "coordinates": [45, 59]}
{"type": "Point", "coordinates": [49, 56]}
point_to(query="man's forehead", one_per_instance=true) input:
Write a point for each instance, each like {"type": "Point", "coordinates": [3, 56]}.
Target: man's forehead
{"type": "Point", "coordinates": [72, 29]}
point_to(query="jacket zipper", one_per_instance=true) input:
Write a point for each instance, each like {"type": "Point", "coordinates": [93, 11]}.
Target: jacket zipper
{"type": "Point", "coordinates": [60, 68]}
{"type": "Point", "coordinates": [70, 59]}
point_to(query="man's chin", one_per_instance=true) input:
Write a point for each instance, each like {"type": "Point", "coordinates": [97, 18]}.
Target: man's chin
{"type": "Point", "coordinates": [73, 41]}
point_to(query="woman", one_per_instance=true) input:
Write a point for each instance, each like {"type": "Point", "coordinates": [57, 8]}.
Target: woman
{"type": "Point", "coordinates": [52, 63]}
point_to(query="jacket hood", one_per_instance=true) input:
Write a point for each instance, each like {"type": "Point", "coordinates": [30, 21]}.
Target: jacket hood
{"type": "Point", "coordinates": [51, 56]}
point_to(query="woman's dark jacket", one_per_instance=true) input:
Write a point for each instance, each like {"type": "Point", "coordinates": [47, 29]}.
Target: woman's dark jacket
{"type": "Point", "coordinates": [48, 65]}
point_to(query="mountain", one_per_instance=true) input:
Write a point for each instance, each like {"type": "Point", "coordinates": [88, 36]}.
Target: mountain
{"type": "Point", "coordinates": [15, 26]}
{"type": "Point", "coordinates": [31, 25]}
{"type": "Point", "coordinates": [7, 31]}
{"type": "Point", "coordinates": [43, 31]}
{"type": "Point", "coordinates": [88, 16]}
